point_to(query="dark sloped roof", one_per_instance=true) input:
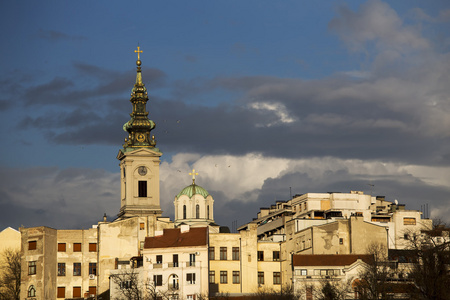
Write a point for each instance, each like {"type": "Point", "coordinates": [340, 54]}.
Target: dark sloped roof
{"type": "Point", "coordinates": [174, 238]}
{"type": "Point", "coordinates": [329, 259]}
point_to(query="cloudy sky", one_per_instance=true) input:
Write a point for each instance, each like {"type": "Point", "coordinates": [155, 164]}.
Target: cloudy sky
{"type": "Point", "coordinates": [265, 99]}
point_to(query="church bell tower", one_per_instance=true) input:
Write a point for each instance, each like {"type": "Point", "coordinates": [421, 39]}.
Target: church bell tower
{"type": "Point", "coordinates": [139, 158]}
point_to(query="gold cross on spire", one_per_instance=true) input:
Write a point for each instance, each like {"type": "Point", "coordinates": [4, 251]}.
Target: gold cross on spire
{"type": "Point", "coordinates": [138, 51]}
{"type": "Point", "coordinates": [193, 175]}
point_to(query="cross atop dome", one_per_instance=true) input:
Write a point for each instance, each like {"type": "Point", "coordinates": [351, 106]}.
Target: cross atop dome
{"type": "Point", "coordinates": [193, 173]}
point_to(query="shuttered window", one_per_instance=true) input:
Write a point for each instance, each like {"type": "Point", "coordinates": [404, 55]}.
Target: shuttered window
{"type": "Point", "coordinates": [61, 247]}
{"type": "Point", "coordinates": [76, 247]}
{"type": "Point", "coordinates": [61, 292]}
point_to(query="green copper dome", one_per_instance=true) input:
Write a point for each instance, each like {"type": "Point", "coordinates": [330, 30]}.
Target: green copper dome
{"type": "Point", "coordinates": [192, 190]}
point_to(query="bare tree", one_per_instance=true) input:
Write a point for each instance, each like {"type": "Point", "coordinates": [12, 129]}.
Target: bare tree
{"type": "Point", "coordinates": [373, 282]}
{"type": "Point", "coordinates": [430, 257]}
{"type": "Point", "coordinates": [129, 286]}
{"type": "Point", "coordinates": [332, 289]}
{"type": "Point", "coordinates": [286, 293]}
{"type": "Point", "coordinates": [10, 275]}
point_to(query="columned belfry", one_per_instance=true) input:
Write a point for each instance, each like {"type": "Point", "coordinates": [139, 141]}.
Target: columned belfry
{"type": "Point", "coordinates": [139, 158]}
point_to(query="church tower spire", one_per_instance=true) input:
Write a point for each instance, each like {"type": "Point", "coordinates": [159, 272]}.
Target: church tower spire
{"type": "Point", "coordinates": [139, 126]}
{"type": "Point", "coordinates": [139, 158]}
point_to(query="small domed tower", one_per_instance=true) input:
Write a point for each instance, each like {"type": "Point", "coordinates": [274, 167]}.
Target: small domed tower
{"type": "Point", "coordinates": [194, 207]}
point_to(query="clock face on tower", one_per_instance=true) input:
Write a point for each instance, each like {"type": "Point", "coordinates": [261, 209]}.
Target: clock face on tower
{"type": "Point", "coordinates": [140, 137]}
{"type": "Point", "coordinates": [142, 170]}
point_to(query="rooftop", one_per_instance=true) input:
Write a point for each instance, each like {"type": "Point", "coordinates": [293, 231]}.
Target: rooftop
{"type": "Point", "coordinates": [329, 259]}
{"type": "Point", "coordinates": [176, 238]}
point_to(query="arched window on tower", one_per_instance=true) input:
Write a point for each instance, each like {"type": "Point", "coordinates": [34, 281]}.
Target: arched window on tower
{"type": "Point", "coordinates": [184, 211]}
{"type": "Point", "coordinates": [207, 212]}
{"type": "Point", "coordinates": [31, 291]}
{"type": "Point", "coordinates": [197, 211]}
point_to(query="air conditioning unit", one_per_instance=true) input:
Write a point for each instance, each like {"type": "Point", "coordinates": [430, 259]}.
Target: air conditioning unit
{"type": "Point", "coordinates": [91, 276]}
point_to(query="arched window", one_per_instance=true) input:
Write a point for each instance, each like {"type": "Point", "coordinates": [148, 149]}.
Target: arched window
{"type": "Point", "coordinates": [184, 211]}
{"type": "Point", "coordinates": [207, 212]}
{"type": "Point", "coordinates": [173, 282]}
{"type": "Point", "coordinates": [197, 211]}
{"type": "Point", "coordinates": [31, 291]}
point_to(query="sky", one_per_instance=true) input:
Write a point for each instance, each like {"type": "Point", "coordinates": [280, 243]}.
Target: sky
{"type": "Point", "coordinates": [265, 99]}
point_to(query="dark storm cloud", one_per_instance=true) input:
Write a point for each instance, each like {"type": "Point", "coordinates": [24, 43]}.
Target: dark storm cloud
{"type": "Point", "coordinates": [75, 92]}
{"type": "Point", "coordinates": [53, 35]}
{"type": "Point", "coordinates": [68, 198]}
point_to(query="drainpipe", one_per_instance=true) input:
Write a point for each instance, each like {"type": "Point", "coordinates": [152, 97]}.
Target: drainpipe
{"type": "Point", "coordinates": [240, 263]}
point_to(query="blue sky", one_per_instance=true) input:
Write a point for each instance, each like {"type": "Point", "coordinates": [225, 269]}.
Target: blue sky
{"type": "Point", "coordinates": [261, 97]}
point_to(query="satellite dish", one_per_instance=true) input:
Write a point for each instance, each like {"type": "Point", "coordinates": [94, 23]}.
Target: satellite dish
{"type": "Point", "coordinates": [396, 202]}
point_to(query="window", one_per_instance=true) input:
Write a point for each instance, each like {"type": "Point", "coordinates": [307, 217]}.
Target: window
{"type": "Point", "coordinates": [223, 253]}
{"type": "Point", "coordinates": [223, 277]}
{"type": "Point", "coordinates": [190, 278]}
{"type": "Point", "coordinates": [92, 290]}
{"type": "Point", "coordinates": [126, 284]}
{"type": "Point", "coordinates": [141, 245]}
{"type": "Point", "coordinates": [303, 272]}
{"type": "Point", "coordinates": [276, 255]}
{"type": "Point", "coordinates": [61, 292]}
{"type": "Point", "coordinates": [61, 247]}
{"type": "Point", "coordinates": [173, 282]}
{"type": "Point", "coordinates": [409, 221]}
{"type": "Point", "coordinates": [207, 212]}
{"type": "Point", "coordinates": [341, 241]}
{"type": "Point", "coordinates": [175, 260]}
{"type": "Point", "coordinates": [157, 279]}
{"type": "Point", "coordinates": [76, 292]}
{"type": "Point", "coordinates": [212, 276]}
{"type": "Point", "coordinates": [31, 291]}
{"type": "Point", "coordinates": [142, 188]}
{"type": "Point", "coordinates": [184, 211]}
{"type": "Point", "coordinates": [192, 259]}
{"type": "Point", "coordinates": [92, 247]}
{"type": "Point", "coordinates": [211, 254]}
{"type": "Point", "coordinates": [32, 245]}
{"type": "Point", "coordinates": [61, 269]}
{"type": "Point", "coordinates": [260, 255]}
{"type": "Point", "coordinates": [76, 269]}
{"type": "Point", "coordinates": [236, 277]}
{"type": "Point", "coordinates": [31, 267]}
{"type": "Point", "coordinates": [276, 278]}
{"type": "Point", "coordinates": [197, 211]}
{"type": "Point", "coordinates": [235, 253]}
{"type": "Point", "coordinates": [159, 259]}
{"type": "Point", "coordinates": [76, 247]}
{"type": "Point", "coordinates": [92, 268]}
{"type": "Point", "coordinates": [260, 277]}
{"type": "Point", "coordinates": [141, 226]}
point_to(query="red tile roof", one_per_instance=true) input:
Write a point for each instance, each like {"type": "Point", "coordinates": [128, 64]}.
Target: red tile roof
{"type": "Point", "coordinates": [329, 259]}
{"type": "Point", "coordinates": [174, 238]}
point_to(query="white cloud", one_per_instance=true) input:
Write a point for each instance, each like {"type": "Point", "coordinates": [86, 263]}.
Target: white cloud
{"type": "Point", "coordinates": [277, 109]}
